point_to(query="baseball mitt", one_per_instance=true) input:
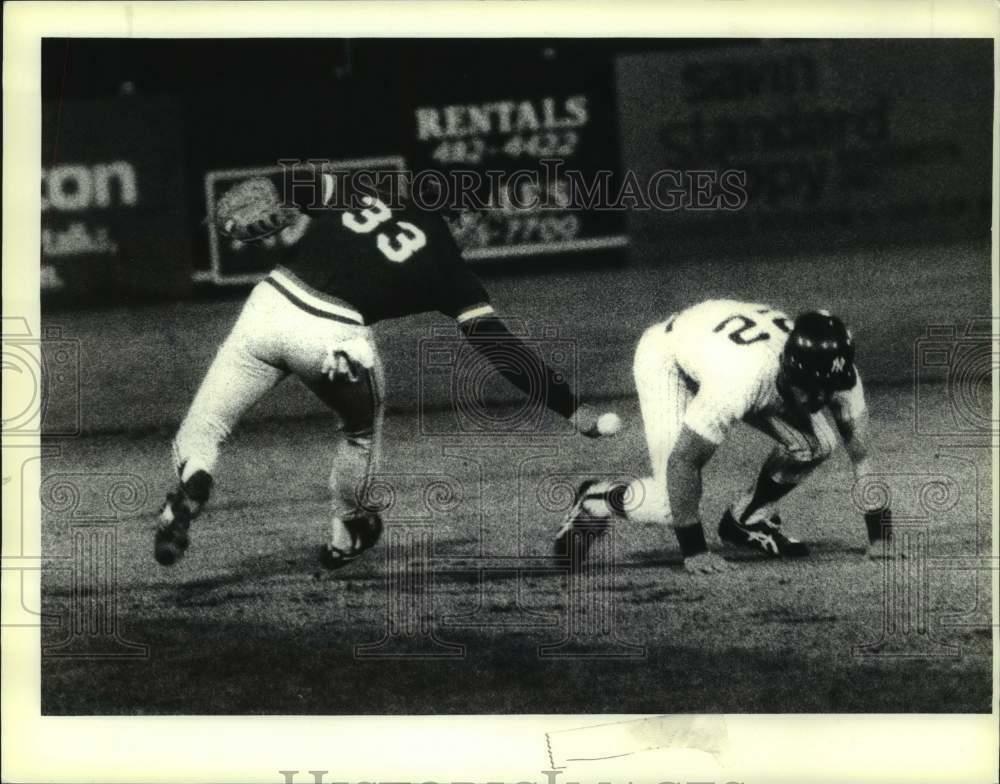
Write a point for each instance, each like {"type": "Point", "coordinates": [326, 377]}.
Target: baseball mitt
{"type": "Point", "coordinates": [252, 210]}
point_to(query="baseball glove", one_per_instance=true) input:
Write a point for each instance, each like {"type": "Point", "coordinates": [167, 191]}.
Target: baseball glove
{"type": "Point", "coordinates": [252, 210]}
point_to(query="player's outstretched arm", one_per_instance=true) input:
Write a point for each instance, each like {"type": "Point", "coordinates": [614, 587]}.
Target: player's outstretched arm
{"type": "Point", "coordinates": [509, 354]}
{"type": "Point", "coordinates": [850, 414]}
{"type": "Point", "coordinates": [684, 489]}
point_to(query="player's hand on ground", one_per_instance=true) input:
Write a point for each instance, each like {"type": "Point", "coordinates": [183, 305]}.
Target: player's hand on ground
{"type": "Point", "coordinates": [589, 422]}
{"type": "Point", "coordinates": [706, 563]}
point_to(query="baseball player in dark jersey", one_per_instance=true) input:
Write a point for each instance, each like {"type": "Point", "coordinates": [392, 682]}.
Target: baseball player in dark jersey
{"type": "Point", "coordinates": [346, 269]}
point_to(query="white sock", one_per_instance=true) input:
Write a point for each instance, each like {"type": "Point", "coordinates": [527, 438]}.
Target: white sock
{"type": "Point", "coordinates": [340, 537]}
{"type": "Point", "coordinates": [645, 501]}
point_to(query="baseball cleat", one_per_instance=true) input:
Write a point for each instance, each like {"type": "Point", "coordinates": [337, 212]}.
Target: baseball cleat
{"type": "Point", "coordinates": [762, 534]}
{"type": "Point", "coordinates": [365, 531]}
{"type": "Point", "coordinates": [581, 527]}
{"type": "Point", "coordinates": [171, 539]}
{"type": "Point", "coordinates": [182, 506]}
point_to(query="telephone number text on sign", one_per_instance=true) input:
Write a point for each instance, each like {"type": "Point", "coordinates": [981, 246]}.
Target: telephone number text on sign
{"type": "Point", "coordinates": [470, 133]}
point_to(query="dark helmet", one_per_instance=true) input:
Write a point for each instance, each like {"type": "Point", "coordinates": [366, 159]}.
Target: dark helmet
{"type": "Point", "coordinates": [819, 354]}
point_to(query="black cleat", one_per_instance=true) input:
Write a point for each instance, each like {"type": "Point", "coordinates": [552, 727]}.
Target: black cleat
{"type": "Point", "coordinates": [182, 506]}
{"type": "Point", "coordinates": [171, 540]}
{"type": "Point", "coordinates": [581, 528]}
{"type": "Point", "coordinates": [365, 530]}
{"type": "Point", "coordinates": [762, 535]}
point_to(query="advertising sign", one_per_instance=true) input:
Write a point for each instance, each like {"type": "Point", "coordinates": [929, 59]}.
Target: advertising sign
{"type": "Point", "coordinates": [114, 220]}
{"type": "Point", "coordinates": [830, 141]}
{"type": "Point", "coordinates": [538, 150]}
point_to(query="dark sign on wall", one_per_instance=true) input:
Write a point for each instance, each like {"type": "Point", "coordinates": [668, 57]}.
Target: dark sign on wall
{"type": "Point", "coordinates": [114, 216]}
{"type": "Point", "coordinates": [835, 141]}
{"type": "Point", "coordinates": [535, 147]}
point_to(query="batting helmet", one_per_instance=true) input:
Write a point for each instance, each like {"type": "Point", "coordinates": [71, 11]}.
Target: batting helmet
{"type": "Point", "coordinates": [819, 354]}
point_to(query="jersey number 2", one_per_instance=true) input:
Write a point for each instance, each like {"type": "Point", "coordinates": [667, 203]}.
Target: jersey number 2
{"type": "Point", "coordinates": [740, 335]}
{"type": "Point", "coordinates": [397, 248]}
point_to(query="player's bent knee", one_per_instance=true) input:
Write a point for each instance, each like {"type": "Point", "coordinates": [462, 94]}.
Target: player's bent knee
{"type": "Point", "coordinates": [820, 452]}
{"type": "Point", "coordinates": [800, 463]}
{"type": "Point", "coordinates": [793, 466]}
{"type": "Point", "coordinates": [817, 451]}
{"type": "Point", "coordinates": [827, 446]}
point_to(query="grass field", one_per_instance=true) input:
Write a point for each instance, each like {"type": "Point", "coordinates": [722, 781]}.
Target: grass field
{"type": "Point", "coordinates": [246, 624]}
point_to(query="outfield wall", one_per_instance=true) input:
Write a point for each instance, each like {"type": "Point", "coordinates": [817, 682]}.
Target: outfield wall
{"type": "Point", "coordinates": [704, 148]}
{"type": "Point", "coordinates": [140, 367]}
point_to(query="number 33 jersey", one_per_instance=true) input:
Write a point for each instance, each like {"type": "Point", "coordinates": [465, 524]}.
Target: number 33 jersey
{"type": "Point", "coordinates": [730, 351]}
{"type": "Point", "coordinates": [374, 262]}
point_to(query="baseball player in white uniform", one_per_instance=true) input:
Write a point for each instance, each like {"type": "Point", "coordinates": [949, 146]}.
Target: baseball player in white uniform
{"type": "Point", "coordinates": [712, 365]}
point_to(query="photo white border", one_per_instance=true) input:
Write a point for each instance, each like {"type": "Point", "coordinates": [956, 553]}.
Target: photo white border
{"type": "Point", "coordinates": [855, 748]}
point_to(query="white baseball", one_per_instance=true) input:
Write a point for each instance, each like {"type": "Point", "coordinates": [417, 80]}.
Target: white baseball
{"type": "Point", "coordinates": [609, 424]}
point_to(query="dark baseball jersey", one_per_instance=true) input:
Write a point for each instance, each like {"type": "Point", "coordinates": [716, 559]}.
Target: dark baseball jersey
{"type": "Point", "coordinates": [372, 262]}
